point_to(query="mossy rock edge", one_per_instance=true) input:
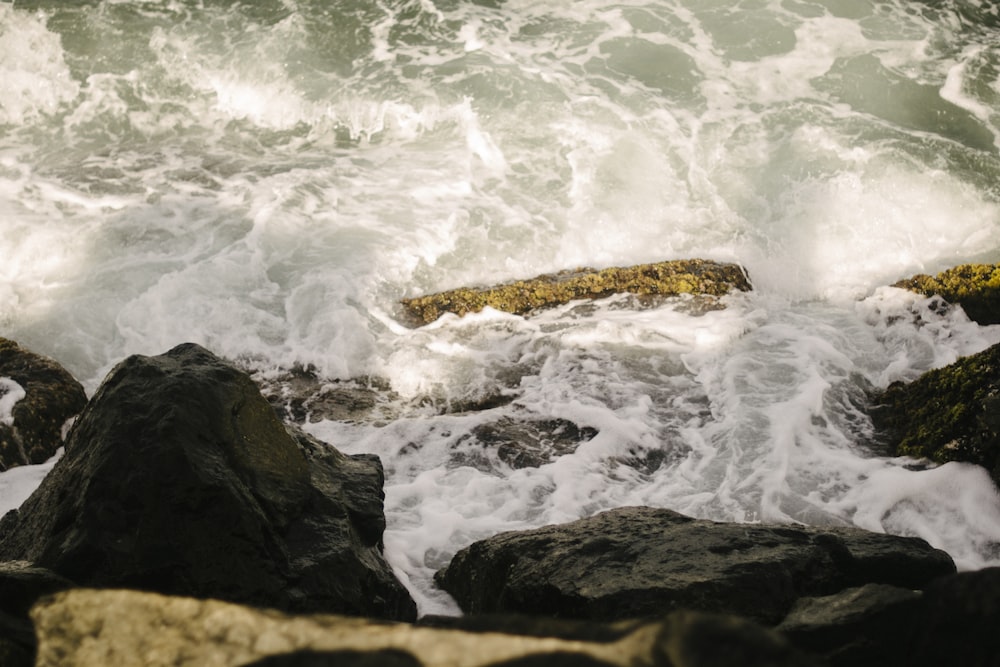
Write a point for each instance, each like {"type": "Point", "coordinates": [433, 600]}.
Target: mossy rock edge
{"type": "Point", "coordinates": [947, 414]}
{"type": "Point", "coordinates": [671, 278]}
{"type": "Point", "coordinates": [976, 287]}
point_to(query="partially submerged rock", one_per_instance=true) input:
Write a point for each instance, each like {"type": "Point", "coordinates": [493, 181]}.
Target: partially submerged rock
{"type": "Point", "coordinates": [694, 276]}
{"type": "Point", "coordinates": [976, 287]}
{"type": "Point", "coordinates": [947, 414]}
{"type": "Point", "coordinates": [528, 443]}
{"type": "Point", "coordinates": [302, 396]}
{"type": "Point", "coordinates": [82, 628]}
{"type": "Point", "coordinates": [32, 432]}
{"type": "Point", "coordinates": [645, 562]}
{"type": "Point", "coordinates": [179, 478]}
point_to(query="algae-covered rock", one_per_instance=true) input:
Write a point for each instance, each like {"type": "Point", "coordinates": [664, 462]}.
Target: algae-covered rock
{"type": "Point", "coordinates": [976, 287]}
{"type": "Point", "coordinates": [693, 276]}
{"type": "Point", "coordinates": [947, 414]}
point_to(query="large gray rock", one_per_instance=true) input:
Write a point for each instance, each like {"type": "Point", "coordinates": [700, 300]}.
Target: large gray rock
{"type": "Point", "coordinates": [51, 396]}
{"type": "Point", "coordinates": [83, 628]}
{"type": "Point", "coordinates": [179, 478]}
{"type": "Point", "coordinates": [644, 562]}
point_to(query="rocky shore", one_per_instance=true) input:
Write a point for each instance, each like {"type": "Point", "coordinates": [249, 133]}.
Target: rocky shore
{"type": "Point", "coordinates": [187, 523]}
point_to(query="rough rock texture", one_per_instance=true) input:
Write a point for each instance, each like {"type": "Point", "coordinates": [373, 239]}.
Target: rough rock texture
{"type": "Point", "coordinates": [51, 397]}
{"type": "Point", "coordinates": [947, 414]}
{"type": "Point", "coordinates": [111, 627]}
{"type": "Point", "coordinates": [179, 478]}
{"type": "Point", "coordinates": [867, 626]}
{"type": "Point", "coordinates": [643, 562]}
{"type": "Point", "coordinates": [694, 276]}
{"type": "Point", "coordinates": [21, 585]}
{"type": "Point", "coordinates": [530, 443]}
{"type": "Point", "coordinates": [958, 622]}
{"type": "Point", "coordinates": [302, 396]}
{"type": "Point", "coordinates": [976, 287]}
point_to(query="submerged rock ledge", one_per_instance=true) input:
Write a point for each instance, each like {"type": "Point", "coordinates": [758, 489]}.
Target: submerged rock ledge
{"type": "Point", "coordinates": [672, 278]}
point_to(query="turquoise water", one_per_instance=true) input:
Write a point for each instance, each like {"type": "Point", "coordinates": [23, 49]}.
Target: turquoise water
{"type": "Point", "coordinates": [268, 179]}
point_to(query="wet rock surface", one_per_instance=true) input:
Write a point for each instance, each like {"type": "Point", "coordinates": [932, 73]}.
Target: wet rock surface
{"type": "Point", "coordinates": [44, 395]}
{"type": "Point", "coordinates": [947, 414]}
{"type": "Point", "coordinates": [976, 287]}
{"type": "Point", "coordinates": [530, 443]}
{"type": "Point", "coordinates": [112, 627]}
{"type": "Point", "coordinates": [644, 562]}
{"type": "Point", "coordinates": [694, 276]}
{"type": "Point", "coordinates": [179, 478]}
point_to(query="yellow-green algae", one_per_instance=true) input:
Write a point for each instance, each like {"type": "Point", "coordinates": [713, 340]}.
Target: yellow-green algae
{"type": "Point", "coordinates": [947, 414]}
{"type": "Point", "coordinates": [672, 278]}
{"type": "Point", "coordinates": [976, 287]}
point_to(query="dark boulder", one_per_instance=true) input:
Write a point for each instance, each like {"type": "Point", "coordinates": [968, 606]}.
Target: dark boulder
{"type": "Point", "coordinates": [179, 478]}
{"type": "Point", "coordinates": [32, 432]}
{"type": "Point", "coordinates": [947, 414]}
{"type": "Point", "coordinates": [21, 585]}
{"type": "Point", "coordinates": [975, 287]}
{"type": "Point", "coordinates": [867, 626]}
{"type": "Point", "coordinates": [645, 562]}
{"type": "Point", "coordinates": [662, 279]}
{"type": "Point", "coordinates": [958, 622]}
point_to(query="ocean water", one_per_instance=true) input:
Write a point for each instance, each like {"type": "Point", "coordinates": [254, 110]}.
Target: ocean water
{"type": "Point", "coordinates": [269, 178]}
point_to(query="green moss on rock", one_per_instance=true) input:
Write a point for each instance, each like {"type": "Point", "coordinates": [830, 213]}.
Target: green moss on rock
{"type": "Point", "coordinates": [976, 287]}
{"type": "Point", "coordinates": [694, 276]}
{"type": "Point", "coordinates": [948, 414]}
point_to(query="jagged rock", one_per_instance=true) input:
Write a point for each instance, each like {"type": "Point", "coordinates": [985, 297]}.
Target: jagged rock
{"type": "Point", "coordinates": [179, 478]}
{"type": "Point", "coordinates": [643, 562]}
{"type": "Point", "coordinates": [32, 432]}
{"type": "Point", "coordinates": [21, 585]}
{"type": "Point", "coordinates": [947, 414]}
{"type": "Point", "coordinates": [867, 626]}
{"type": "Point", "coordinates": [81, 628]}
{"type": "Point", "coordinates": [958, 622]}
{"type": "Point", "coordinates": [694, 276]}
{"type": "Point", "coordinates": [976, 287]}
{"type": "Point", "coordinates": [528, 443]}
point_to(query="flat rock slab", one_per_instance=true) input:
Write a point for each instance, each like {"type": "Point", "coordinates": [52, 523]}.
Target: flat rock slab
{"type": "Point", "coordinates": [673, 278]}
{"type": "Point", "coordinates": [83, 628]}
{"type": "Point", "coordinates": [645, 562]}
{"type": "Point", "coordinates": [975, 287]}
{"type": "Point", "coordinates": [179, 478]}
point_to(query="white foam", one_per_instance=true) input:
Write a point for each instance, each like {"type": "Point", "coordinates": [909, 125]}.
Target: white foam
{"type": "Point", "coordinates": [10, 393]}
{"type": "Point", "coordinates": [35, 79]}
{"type": "Point", "coordinates": [16, 484]}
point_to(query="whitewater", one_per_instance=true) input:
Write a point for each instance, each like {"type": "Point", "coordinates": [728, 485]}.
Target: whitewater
{"type": "Point", "coordinates": [268, 179]}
